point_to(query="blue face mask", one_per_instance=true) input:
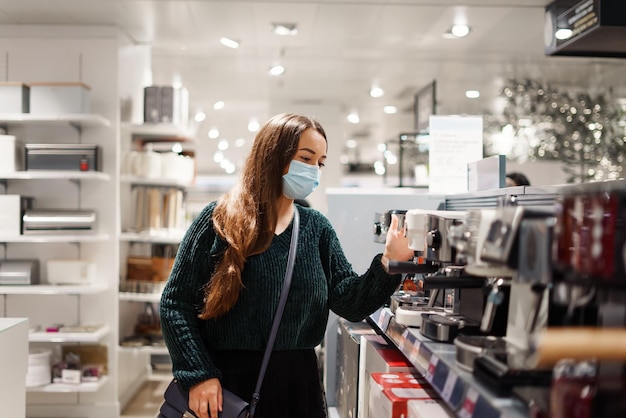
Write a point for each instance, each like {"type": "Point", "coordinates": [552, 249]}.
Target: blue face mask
{"type": "Point", "coordinates": [301, 180]}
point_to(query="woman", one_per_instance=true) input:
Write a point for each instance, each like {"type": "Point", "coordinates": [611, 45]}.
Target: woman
{"type": "Point", "coordinates": [218, 305]}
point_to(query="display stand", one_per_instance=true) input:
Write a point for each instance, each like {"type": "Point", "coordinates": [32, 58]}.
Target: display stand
{"type": "Point", "coordinates": [437, 363]}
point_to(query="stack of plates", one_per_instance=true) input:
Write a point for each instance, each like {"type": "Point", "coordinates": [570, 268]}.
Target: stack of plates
{"type": "Point", "coordinates": [38, 367]}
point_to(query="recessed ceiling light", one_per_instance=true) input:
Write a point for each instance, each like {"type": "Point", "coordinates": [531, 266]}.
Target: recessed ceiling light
{"type": "Point", "coordinates": [376, 91]}
{"type": "Point", "coordinates": [353, 117]}
{"type": "Point", "coordinates": [219, 105]}
{"type": "Point", "coordinates": [285, 29]}
{"type": "Point", "coordinates": [390, 110]}
{"type": "Point", "coordinates": [472, 94]}
{"type": "Point", "coordinates": [231, 43]}
{"type": "Point", "coordinates": [222, 145]}
{"type": "Point", "coordinates": [277, 70]}
{"type": "Point", "coordinates": [253, 125]}
{"type": "Point", "coordinates": [460, 31]}
{"type": "Point", "coordinates": [200, 116]}
{"type": "Point", "coordinates": [214, 133]}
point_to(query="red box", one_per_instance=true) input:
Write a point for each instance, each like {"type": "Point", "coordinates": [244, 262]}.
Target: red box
{"type": "Point", "coordinates": [400, 379]}
{"type": "Point", "coordinates": [377, 356]}
{"type": "Point", "coordinates": [393, 402]}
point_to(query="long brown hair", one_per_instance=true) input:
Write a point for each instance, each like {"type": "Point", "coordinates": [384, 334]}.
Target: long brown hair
{"type": "Point", "coordinates": [246, 216]}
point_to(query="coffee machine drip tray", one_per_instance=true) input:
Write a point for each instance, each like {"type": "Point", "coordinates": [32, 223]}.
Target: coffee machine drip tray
{"type": "Point", "coordinates": [469, 347]}
{"type": "Point", "coordinates": [503, 371]}
{"type": "Point", "coordinates": [445, 328]}
{"type": "Point", "coordinates": [412, 316]}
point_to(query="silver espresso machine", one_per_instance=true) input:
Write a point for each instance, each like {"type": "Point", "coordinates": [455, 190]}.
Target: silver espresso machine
{"type": "Point", "coordinates": [568, 299]}
{"type": "Point", "coordinates": [491, 243]}
{"type": "Point", "coordinates": [454, 298]}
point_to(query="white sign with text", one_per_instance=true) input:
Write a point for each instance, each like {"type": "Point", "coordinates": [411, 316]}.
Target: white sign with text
{"type": "Point", "coordinates": [455, 141]}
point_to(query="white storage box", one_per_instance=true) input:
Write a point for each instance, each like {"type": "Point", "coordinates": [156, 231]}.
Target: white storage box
{"type": "Point", "coordinates": [14, 97]}
{"type": "Point", "coordinates": [7, 152]}
{"type": "Point", "coordinates": [59, 98]}
{"type": "Point", "coordinates": [10, 214]}
{"type": "Point", "coordinates": [71, 271]}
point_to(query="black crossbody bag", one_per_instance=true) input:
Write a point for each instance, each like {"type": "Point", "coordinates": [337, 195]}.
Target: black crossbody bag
{"type": "Point", "coordinates": [176, 403]}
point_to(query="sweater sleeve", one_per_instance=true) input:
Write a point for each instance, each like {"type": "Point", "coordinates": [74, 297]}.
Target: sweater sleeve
{"type": "Point", "coordinates": [182, 301]}
{"type": "Point", "coordinates": [353, 296]}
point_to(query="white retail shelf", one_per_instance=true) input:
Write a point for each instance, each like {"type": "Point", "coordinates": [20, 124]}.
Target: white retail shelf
{"type": "Point", "coordinates": [159, 130]}
{"type": "Point", "coordinates": [140, 297]}
{"type": "Point", "coordinates": [66, 387]}
{"type": "Point", "coordinates": [55, 238]}
{"type": "Point", "coordinates": [51, 289]}
{"type": "Point", "coordinates": [69, 337]}
{"type": "Point", "coordinates": [171, 237]}
{"type": "Point", "coordinates": [55, 175]}
{"type": "Point", "coordinates": [437, 363]}
{"type": "Point", "coordinates": [78, 119]}
{"type": "Point", "coordinates": [147, 349]}
{"type": "Point", "coordinates": [155, 182]}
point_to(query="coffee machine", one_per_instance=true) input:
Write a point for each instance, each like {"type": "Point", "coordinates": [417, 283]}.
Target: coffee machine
{"type": "Point", "coordinates": [497, 243]}
{"type": "Point", "coordinates": [455, 298]}
{"type": "Point", "coordinates": [411, 291]}
{"type": "Point", "coordinates": [568, 296]}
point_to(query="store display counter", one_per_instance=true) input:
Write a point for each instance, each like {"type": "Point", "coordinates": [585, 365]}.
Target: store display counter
{"type": "Point", "coordinates": [465, 396]}
{"type": "Point", "coordinates": [13, 363]}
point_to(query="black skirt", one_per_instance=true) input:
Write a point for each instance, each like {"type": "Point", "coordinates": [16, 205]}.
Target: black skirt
{"type": "Point", "coordinates": [292, 387]}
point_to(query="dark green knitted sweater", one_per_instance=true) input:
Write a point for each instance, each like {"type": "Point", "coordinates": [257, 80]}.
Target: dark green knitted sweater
{"type": "Point", "coordinates": [322, 279]}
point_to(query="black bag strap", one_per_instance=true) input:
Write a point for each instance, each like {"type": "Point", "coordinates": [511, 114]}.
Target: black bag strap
{"type": "Point", "coordinates": [279, 310]}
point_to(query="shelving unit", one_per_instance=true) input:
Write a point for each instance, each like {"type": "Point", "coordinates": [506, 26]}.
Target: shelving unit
{"type": "Point", "coordinates": [140, 297]}
{"type": "Point", "coordinates": [61, 289]}
{"type": "Point", "coordinates": [160, 131]}
{"type": "Point", "coordinates": [465, 396]}
{"type": "Point", "coordinates": [55, 175]}
{"type": "Point", "coordinates": [69, 238]}
{"type": "Point", "coordinates": [69, 337]}
{"type": "Point", "coordinates": [138, 361]}
{"type": "Point", "coordinates": [154, 182]}
{"type": "Point", "coordinates": [153, 238]}
{"type": "Point", "coordinates": [159, 351]}
{"type": "Point", "coordinates": [77, 120]}
{"type": "Point", "coordinates": [85, 387]}
{"type": "Point", "coordinates": [91, 57]}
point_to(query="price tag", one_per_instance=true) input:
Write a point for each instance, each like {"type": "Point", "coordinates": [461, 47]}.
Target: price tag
{"type": "Point", "coordinates": [432, 365]}
{"type": "Point", "coordinates": [413, 347]}
{"type": "Point", "coordinates": [383, 320]}
{"type": "Point", "coordinates": [449, 386]}
{"type": "Point", "coordinates": [467, 410]}
{"type": "Point", "coordinates": [403, 343]}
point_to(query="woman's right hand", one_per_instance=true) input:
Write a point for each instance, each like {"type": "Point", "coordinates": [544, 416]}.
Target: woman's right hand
{"type": "Point", "coordinates": [205, 398]}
